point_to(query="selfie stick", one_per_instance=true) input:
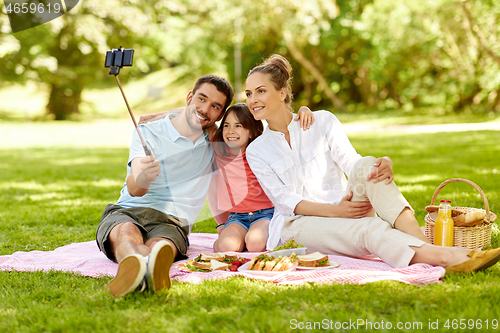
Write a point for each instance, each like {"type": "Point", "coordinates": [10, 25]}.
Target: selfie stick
{"type": "Point", "coordinates": [115, 60]}
{"type": "Point", "coordinates": [146, 150]}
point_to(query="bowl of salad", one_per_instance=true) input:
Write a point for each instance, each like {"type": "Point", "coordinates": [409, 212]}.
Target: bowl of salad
{"type": "Point", "coordinates": [288, 248]}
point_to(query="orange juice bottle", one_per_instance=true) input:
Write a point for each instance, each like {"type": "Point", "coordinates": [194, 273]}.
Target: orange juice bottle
{"type": "Point", "coordinates": [443, 229]}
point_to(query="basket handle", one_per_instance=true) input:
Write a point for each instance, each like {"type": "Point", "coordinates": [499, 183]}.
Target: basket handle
{"type": "Point", "coordinates": [452, 180]}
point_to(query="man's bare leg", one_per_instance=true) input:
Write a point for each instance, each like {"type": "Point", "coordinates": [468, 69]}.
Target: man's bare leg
{"type": "Point", "coordinates": [152, 242]}
{"type": "Point", "coordinates": [126, 239]}
{"type": "Point", "coordinates": [407, 223]}
{"type": "Point", "coordinates": [162, 255]}
{"type": "Point", "coordinates": [130, 251]}
{"type": "Point", "coordinates": [128, 247]}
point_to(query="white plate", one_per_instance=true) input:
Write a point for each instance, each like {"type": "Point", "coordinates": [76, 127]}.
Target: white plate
{"type": "Point", "coordinates": [333, 264]}
{"type": "Point", "coordinates": [244, 269]}
{"type": "Point", "coordinates": [288, 252]}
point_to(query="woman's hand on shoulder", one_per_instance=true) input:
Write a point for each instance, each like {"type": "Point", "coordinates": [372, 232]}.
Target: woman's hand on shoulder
{"type": "Point", "coordinates": [157, 116]}
{"type": "Point", "coordinates": [383, 170]}
{"type": "Point", "coordinates": [305, 116]}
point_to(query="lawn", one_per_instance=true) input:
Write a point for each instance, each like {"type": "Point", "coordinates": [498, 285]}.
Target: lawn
{"type": "Point", "coordinates": [55, 195]}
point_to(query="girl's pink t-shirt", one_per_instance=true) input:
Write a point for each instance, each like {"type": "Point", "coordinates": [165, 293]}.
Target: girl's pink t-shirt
{"type": "Point", "coordinates": [239, 190]}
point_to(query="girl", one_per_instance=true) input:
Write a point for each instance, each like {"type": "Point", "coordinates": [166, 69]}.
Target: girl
{"type": "Point", "coordinates": [304, 175]}
{"type": "Point", "coordinates": [239, 192]}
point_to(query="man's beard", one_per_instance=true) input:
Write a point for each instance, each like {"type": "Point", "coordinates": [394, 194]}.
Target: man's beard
{"type": "Point", "coordinates": [193, 121]}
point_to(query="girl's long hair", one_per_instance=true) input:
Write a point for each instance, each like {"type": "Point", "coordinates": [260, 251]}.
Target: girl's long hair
{"type": "Point", "coordinates": [245, 118]}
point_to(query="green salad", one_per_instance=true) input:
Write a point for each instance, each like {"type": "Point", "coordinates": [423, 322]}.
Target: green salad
{"type": "Point", "coordinates": [289, 244]}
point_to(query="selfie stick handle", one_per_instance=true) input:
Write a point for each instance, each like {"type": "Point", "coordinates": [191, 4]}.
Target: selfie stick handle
{"type": "Point", "coordinates": [146, 150]}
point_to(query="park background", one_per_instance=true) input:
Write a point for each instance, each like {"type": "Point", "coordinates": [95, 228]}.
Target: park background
{"type": "Point", "coordinates": [64, 132]}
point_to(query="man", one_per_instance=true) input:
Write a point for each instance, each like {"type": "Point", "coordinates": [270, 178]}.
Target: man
{"type": "Point", "coordinates": [147, 229]}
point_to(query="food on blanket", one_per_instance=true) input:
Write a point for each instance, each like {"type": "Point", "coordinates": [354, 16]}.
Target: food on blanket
{"type": "Point", "coordinates": [217, 256]}
{"type": "Point", "coordinates": [217, 265]}
{"type": "Point", "coordinates": [237, 263]}
{"type": "Point", "coordinates": [265, 262]}
{"type": "Point", "coordinates": [211, 265]}
{"type": "Point", "coordinates": [469, 219]}
{"type": "Point", "coordinates": [315, 259]}
{"type": "Point", "coordinates": [219, 261]}
{"type": "Point", "coordinates": [289, 244]}
{"type": "Point", "coordinates": [205, 265]}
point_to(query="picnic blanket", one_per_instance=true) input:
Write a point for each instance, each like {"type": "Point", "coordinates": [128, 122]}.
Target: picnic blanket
{"type": "Point", "coordinates": [86, 259]}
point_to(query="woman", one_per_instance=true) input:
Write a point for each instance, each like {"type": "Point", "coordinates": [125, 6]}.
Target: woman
{"type": "Point", "coordinates": [303, 173]}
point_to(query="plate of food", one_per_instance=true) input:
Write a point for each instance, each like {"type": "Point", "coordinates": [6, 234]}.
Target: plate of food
{"type": "Point", "coordinates": [288, 248]}
{"type": "Point", "coordinates": [212, 262]}
{"type": "Point", "coordinates": [288, 252]}
{"type": "Point", "coordinates": [267, 265]}
{"type": "Point", "coordinates": [315, 261]}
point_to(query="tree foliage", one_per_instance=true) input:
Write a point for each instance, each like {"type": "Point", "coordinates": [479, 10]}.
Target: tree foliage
{"type": "Point", "coordinates": [67, 54]}
{"type": "Point", "coordinates": [345, 54]}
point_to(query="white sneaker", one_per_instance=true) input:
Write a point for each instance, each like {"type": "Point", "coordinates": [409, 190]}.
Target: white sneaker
{"type": "Point", "coordinates": [158, 266]}
{"type": "Point", "coordinates": [130, 276]}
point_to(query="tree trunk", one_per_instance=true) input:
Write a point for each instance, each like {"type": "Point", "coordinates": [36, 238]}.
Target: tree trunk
{"type": "Point", "coordinates": [64, 100]}
{"type": "Point", "coordinates": [309, 66]}
{"type": "Point", "coordinates": [467, 99]}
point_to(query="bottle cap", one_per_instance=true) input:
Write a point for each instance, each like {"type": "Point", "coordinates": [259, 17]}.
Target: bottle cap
{"type": "Point", "coordinates": [446, 201]}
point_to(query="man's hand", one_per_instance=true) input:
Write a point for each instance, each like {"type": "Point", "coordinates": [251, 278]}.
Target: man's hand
{"type": "Point", "coordinates": [145, 170]}
{"type": "Point", "coordinates": [383, 171]}
{"type": "Point", "coordinates": [352, 210]}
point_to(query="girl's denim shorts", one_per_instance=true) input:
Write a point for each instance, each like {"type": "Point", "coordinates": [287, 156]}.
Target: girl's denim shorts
{"type": "Point", "coordinates": [247, 219]}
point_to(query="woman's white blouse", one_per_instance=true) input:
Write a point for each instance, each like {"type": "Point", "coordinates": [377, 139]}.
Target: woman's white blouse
{"type": "Point", "coordinates": [313, 168]}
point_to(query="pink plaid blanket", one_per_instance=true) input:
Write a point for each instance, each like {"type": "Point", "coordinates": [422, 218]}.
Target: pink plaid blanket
{"type": "Point", "coordinates": [86, 259]}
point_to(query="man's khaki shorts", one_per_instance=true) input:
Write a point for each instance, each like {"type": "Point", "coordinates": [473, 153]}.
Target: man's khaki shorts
{"type": "Point", "coordinates": [151, 223]}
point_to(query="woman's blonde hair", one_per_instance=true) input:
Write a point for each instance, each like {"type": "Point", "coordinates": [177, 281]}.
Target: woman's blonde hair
{"type": "Point", "coordinates": [280, 74]}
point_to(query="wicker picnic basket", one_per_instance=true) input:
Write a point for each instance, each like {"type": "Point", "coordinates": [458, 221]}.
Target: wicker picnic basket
{"type": "Point", "coordinates": [467, 237]}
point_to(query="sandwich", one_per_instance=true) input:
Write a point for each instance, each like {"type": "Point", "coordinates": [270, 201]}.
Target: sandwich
{"type": "Point", "coordinates": [265, 262]}
{"type": "Point", "coordinates": [211, 265]}
{"type": "Point", "coordinates": [217, 256]}
{"type": "Point", "coordinates": [315, 259]}
{"type": "Point", "coordinates": [208, 262]}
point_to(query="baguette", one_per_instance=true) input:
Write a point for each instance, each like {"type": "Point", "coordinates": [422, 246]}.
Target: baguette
{"type": "Point", "coordinates": [469, 219]}
{"type": "Point", "coordinates": [278, 265]}
{"type": "Point", "coordinates": [269, 265]}
{"type": "Point", "coordinates": [285, 264]}
{"type": "Point", "coordinates": [259, 265]}
{"type": "Point", "coordinates": [252, 263]}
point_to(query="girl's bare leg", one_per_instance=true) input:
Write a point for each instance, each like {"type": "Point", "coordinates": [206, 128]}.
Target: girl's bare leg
{"type": "Point", "coordinates": [232, 238]}
{"type": "Point", "coordinates": [256, 238]}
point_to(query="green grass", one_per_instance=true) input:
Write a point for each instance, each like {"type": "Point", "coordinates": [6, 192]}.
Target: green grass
{"type": "Point", "coordinates": [54, 196]}
{"type": "Point", "coordinates": [422, 115]}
